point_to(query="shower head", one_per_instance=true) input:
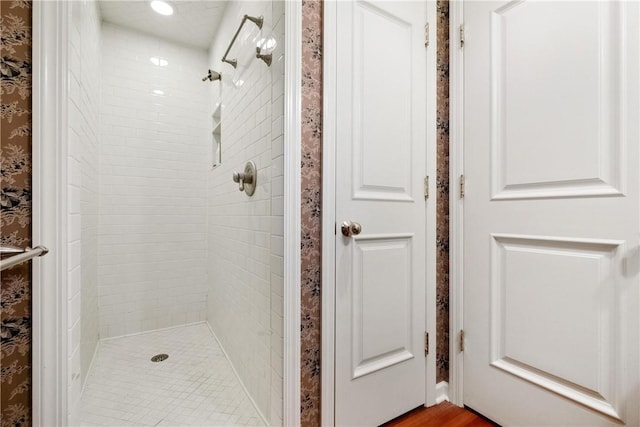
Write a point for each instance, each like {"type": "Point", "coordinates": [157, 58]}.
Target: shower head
{"type": "Point", "coordinates": [213, 75]}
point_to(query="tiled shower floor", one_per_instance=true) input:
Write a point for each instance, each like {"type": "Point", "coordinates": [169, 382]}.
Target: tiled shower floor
{"type": "Point", "coordinates": [194, 386]}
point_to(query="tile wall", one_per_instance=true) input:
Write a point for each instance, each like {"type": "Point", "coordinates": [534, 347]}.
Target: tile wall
{"type": "Point", "coordinates": [82, 192]}
{"type": "Point", "coordinates": [152, 222]}
{"type": "Point", "coordinates": [245, 236]}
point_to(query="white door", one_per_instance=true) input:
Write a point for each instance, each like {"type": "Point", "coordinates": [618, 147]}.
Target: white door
{"type": "Point", "coordinates": [380, 272]}
{"type": "Point", "coordinates": [551, 210]}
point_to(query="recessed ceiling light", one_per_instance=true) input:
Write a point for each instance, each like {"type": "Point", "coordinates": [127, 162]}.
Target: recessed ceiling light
{"type": "Point", "coordinates": [159, 61]}
{"type": "Point", "coordinates": [163, 8]}
{"type": "Point", "coordinates": [158, 92]}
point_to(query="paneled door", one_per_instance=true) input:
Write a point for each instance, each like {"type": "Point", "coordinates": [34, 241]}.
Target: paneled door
{"type": "Point", "coordinates": [380, 207]}
{"type": "Point", "coordinates": [551, 212]}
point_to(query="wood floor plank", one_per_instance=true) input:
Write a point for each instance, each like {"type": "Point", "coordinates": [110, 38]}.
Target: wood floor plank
{"type": "Point", "coordinates": [442, 415]}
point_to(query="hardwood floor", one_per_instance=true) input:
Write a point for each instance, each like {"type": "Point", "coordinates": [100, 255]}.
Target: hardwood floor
{"type": "Point", "coordinates": [442, 415]}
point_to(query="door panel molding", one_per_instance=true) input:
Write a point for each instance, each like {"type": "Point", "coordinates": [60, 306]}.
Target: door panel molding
{"type": "Point", "coordinates": [330, 69]}
{"type": "Point", "coordinates": [380, 177]}
{"type": "Point", "coordinates": [593, 266]}
{"type": "Point", "coordinates": [601, 138]}
{"type": "Point", "coordinates": [376, 345]}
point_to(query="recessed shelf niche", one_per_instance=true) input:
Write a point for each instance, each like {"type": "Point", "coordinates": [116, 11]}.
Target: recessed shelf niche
{"type": "Point", "coordinates": [216, 136]}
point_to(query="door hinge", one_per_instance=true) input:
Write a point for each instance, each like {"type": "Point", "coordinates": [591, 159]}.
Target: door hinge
{"type": "Point", "coordinates": [426, 187]}
{"type": "Point", "coordinates": [461, 35]}
{"type": "Point", "coordinates": [461, 340]}
{"type": "Point", "coordinates": [426, 344]}
{"type": "Point", "coordinates": [461, 186]}
{"type": "Point", "coordinates": [426, 35]}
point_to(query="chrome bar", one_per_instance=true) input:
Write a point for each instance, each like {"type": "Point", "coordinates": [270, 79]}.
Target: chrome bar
{"type": "Point", "coordinates": [10, 250]}
{"type": "Point", "coordinates": [258, 21]}
{"type": "Point", "coordinates": [26, 255]}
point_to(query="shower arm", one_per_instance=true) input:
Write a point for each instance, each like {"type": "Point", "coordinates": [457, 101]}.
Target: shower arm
{"type": "Point", "coordinates": [213, 76]}
{"type": "Point", "coordinates": [258, 21]}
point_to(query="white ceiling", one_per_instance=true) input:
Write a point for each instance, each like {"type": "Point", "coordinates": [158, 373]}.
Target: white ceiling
{"type": "Point", "coordinates": [193, 23]}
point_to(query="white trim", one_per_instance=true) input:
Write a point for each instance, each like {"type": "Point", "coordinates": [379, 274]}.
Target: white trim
{"type": "Point", "coordinates": [329, 218]}
{"type": "Point", "coordinates": [456, 205]}
{"type": "Point", "coordinates": [235, 372]}
{"type": "Point", "coordinates": [430, 205]}
{"type": "Point", "coordinates": [329, 72]}
{"type": "Point", "coordinates": [49, 362]}
{"type": "Point", "coordinates": [442, 392]}
{"type": "Point", "coordinates": [292, 203]}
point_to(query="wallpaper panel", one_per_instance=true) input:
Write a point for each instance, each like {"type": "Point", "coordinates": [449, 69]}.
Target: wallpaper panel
{"type": "Point", "coordinates": [442, 197]}
{"type": "Point", "coordinates": [15, 210]}
{"type": "Point", "coordinates": [310, 211]}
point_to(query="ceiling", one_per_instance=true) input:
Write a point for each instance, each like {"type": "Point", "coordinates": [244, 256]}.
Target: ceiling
{"type": "Point", "coordinates": [193, 23]}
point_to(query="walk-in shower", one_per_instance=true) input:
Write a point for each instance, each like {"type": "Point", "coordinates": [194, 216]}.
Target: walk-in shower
{"type": "Point", "coordinates": [177, 277]}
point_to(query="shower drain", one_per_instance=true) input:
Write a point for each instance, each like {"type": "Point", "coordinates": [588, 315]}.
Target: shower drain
{"type": "Point", "coordinates": [159, 357]}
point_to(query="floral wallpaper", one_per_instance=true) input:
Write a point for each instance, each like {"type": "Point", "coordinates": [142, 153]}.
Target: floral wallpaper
{"type": "Point", "coordinates": [15, 210]}
{"type": "Point", "coordinates": [310, 211]}
{"type": "Point", "coordinates": [442, 197]}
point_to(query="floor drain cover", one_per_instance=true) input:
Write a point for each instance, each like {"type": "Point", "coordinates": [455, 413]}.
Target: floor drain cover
{"type": "Point", "coordinates": [159, 357]}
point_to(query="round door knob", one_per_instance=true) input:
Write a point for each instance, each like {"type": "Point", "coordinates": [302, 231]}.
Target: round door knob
{"type": "Point", "coordinates": [349, 228]}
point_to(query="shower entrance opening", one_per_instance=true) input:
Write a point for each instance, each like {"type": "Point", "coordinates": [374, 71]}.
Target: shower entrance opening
{"type": "Point", "coordinates": [169, 296]}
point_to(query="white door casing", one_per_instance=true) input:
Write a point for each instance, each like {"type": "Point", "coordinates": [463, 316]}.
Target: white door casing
{"type": "Point", "coordinates": [551, 212]}
{"type": "Point", "coordinates": [380, 280]}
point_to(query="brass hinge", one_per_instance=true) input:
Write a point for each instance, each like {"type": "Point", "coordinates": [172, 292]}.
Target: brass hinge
{"type": "Point", "coordinates": [426, 187]}
{"type": "Point", "coordinates": [461, 186]}
{"type": "Point", "coordinates": [461, 35]}
{"type": "Point", "coordinates": [461, 340]}
{"type": "Point", "coordinates": [426, 344]}
{"type": "Point", "coordinates": [426, 35]}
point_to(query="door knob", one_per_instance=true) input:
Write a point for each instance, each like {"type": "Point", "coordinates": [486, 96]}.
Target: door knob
{"type": "Point", "coordinates": [349, 228]}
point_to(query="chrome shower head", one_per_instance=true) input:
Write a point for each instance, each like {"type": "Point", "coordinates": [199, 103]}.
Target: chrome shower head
{"type": "Point", "coordinates": [213, 75]}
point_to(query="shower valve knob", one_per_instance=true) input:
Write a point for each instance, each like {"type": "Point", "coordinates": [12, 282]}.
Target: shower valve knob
{"type": "Point", "coordinates": [246, 179]}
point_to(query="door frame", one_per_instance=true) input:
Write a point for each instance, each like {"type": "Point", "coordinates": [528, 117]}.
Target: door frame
{"type": "Point", "coordinates": [456, 203]}
{"type": "Point", "coordinates": [50, 212]}
{"type": "Point", "coordinates": [329, 130]}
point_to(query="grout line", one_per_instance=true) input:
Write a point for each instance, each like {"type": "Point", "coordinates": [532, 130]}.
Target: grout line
{"type": "Point", "coordinates": [233, 368]}
{"type": "Point", "coordinates": [86, 377]}
{"type": "Point", "coordinates": [152, 331]}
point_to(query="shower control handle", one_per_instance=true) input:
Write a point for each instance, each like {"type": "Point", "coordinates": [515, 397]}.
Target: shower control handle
{"type": "Point", "coordinates": [349, 228]}
{"type": "Point", "coordinates": [247, 179]}
{"type": "Point", "coordinates": [242, 178]}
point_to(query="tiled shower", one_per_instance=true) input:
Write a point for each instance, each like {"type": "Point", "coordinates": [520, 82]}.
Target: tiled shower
{"type": "Point", "coordinates": [159, 237]}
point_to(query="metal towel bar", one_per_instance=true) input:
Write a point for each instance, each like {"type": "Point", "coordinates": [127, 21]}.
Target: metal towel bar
{"type": "Point", "coordinates": [258, 21]}
{"type": "Point", "coordinates": [23, 255]}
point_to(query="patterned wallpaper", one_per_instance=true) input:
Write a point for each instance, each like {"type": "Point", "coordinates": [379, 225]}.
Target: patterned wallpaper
{"type": "Point", "coordinates": [15, 210]}
{"type": "Point", "coordinates": [310, 211]}
{"type": "Point", "coordinates": [442, 197]}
